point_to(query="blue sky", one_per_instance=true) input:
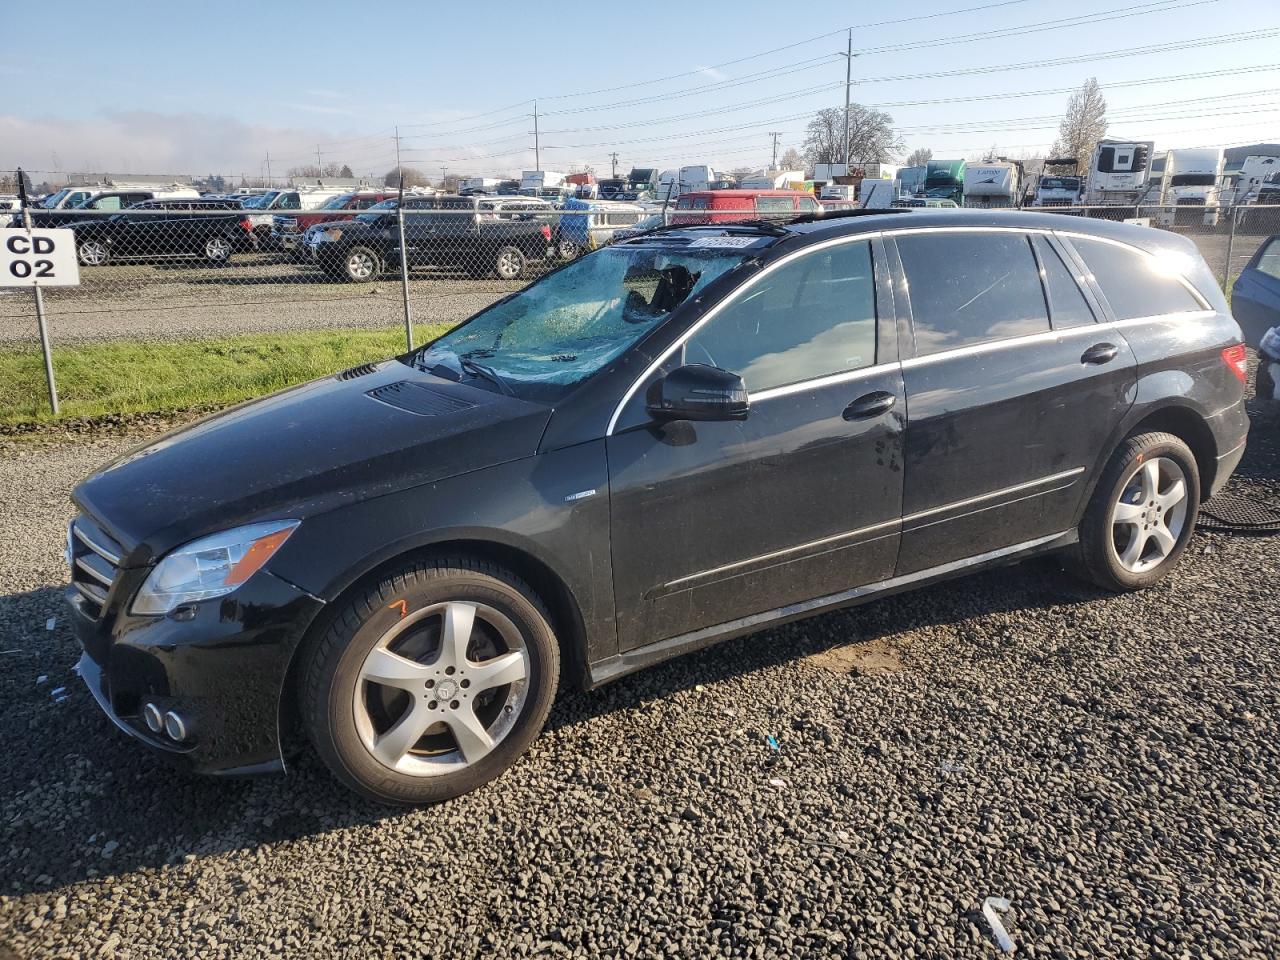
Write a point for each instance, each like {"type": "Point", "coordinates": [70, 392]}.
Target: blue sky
{"type": "Point", "coordinates": [150, 87]}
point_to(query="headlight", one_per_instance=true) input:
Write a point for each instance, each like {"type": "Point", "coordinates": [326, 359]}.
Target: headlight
{"type": "Point", "coordinates": [211, 566]}
{"type": "Point", "coordinates": [335, 234]}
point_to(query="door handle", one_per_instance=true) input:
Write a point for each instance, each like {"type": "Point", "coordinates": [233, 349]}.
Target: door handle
{"type": "Point", "coordinates": [870, 405]}
{"type": "Point", "coordinates": [1100, 353]}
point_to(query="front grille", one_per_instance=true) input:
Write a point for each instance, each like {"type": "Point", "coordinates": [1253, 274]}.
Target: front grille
{"type": "Point", "coordinates": [95, 560]}
{"type": "Point", "coordinates": [1191, 201]}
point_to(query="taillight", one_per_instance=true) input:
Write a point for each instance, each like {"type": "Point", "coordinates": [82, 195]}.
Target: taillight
{"type": "Point", "coordinates": [246, 225]}
{"type": "Point", "coordinates": [1234, 357]}
{"type": "Point", "coordinates": [546, 233]}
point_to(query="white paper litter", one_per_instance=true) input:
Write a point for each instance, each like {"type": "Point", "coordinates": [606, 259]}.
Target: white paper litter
{"type": "Point", "coordinates": [57, 691]}
{"type": "Point", "coordinates": [989, 908]}
{"type": "Point", "coordinates": [43, 678]}
{"type": "Point", "coordinates": [51, 623]}
{"type": "Point", "coordinates": [778, 782]}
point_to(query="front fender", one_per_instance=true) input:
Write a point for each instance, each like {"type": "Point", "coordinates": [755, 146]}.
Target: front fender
{"type": "Point", "coordinates": [552, 507]}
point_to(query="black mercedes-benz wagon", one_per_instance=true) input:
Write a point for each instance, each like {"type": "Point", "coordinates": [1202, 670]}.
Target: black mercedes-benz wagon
{"type": "Point", "coordinates": [688, 436]}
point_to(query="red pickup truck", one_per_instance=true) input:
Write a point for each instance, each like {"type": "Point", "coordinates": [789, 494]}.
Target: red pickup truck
{"type": "Point", "coordinates": [287, 228]}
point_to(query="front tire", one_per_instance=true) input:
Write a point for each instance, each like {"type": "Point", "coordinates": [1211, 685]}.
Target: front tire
{"type": "Point", "coordinates": [431, 682]}
{"type": "Point", "coordinates": [1142, 513]}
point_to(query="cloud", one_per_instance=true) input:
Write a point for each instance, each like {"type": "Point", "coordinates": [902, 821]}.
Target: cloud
{"type": "Point", "coordinates": [713, 73]}
{"type": "Point", "coordinates": [178, 143]}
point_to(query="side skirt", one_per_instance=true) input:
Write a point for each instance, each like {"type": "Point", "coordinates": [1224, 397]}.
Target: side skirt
{"type": "Point", "coordinates": [605, 671]}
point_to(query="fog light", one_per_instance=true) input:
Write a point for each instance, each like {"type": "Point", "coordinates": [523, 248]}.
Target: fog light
{"type": "Point", "coordinates": [151, 714]}
{"type": "Point", "coordinates": [175, 727]}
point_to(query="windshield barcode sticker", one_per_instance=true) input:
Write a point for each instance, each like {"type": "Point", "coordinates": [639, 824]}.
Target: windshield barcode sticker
{"type": "Point", "coordinates": [724, 242]}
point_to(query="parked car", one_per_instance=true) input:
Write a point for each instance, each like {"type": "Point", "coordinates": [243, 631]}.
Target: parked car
{"type": "Point", "coordinates": [674, 440]}
{"type": "Point", "coordinates": [724, 206]}
{"type": "Point", "coordinates": [1255, 296]}
{"type": "Point", "coordinates": [651, 222]}
{"type": "Point", "coordinates": [589, 224]}
{"type": "Point", "coordinates": [211, 229]}
{"type": "Point", "coordinates": [932, 203]}
{"type": "Point", "coordinates": [111, 201]}
{"type": "Point", "coordinates": [259, 206]}
{"type": "Point", "coordinates": [485, 236]}
{"type": "Point", "coordinates": [287, 229]}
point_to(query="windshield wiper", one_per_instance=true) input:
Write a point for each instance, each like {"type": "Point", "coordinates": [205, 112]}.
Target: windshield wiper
{"type": "Point", "coordinates": [483, 370]}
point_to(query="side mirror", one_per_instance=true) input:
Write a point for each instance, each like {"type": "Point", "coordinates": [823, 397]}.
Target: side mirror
{"type": "Point", "coordinates": [698, 391]}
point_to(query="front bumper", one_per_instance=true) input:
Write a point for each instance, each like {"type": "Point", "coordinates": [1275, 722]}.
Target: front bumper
{"type": "Point", "coordinates": [223, 670]}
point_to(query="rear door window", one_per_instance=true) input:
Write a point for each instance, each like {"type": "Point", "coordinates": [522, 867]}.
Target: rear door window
{"type": "Point", "coordinates": [1132, 282]}
{"type": "Point", "coordinates": [1067, 304]}
{"type": "Point", "coordinates": [774, 205]}
{"type": "Point", "coordinates": [812, 317]}
{"type": "Point", "coordinates": [969, 288]}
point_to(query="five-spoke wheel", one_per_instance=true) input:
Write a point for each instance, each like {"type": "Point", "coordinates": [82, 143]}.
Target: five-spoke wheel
{"type": "Point", "coordinates": [430, 682]}
{"type": "Point", "coordinates": [1143, 511]}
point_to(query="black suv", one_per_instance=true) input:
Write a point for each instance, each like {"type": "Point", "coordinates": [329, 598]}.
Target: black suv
{"type": "Point", "coordinates": [484, 236]}
{"type": "Point", "coordinates": [688, 436]}
{"type": "Point", "coordinates": [212, 229]}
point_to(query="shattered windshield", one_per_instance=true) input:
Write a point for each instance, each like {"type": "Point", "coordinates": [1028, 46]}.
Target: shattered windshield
{"type": "Point", "coordinates": [559, 331]}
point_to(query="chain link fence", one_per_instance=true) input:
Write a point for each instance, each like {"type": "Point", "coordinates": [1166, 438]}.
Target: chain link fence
{"type": "Point", "coordinates": [170, 263]}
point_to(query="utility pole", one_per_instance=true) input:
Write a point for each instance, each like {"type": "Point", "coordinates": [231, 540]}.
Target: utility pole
{"type": "Point", "coordinates": [848, 82]}
{"type": "Point", "coordinates": [444, 172]}
{"type": "Point", "coordinates": [613, 157]}
{"type": "Point", "coordinates": [775, 134]}
{"type": "Point", "coordinates": [319, 165]}
{"type": "Point", "coordinates": [268, 166]}
{"type": "Point", "coordinates": [537, 163]}
{"type": "Point", "coordinates": [397, 139]}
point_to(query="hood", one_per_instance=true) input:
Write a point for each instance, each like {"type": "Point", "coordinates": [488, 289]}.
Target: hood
{"type": "Point", "coordinates": [349, 224]}
{"type": "Point", "coordinates": [367, 432]}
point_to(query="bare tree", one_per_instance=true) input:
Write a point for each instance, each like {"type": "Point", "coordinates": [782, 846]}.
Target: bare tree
{"type": "Point", "coordinates": [412, 177]}
{"type": "Point", "coordinates": [1084, 125]}
{"type": "Point", "coordinates": [328, 170]}
{"type": "Point", "coordinates": [871, 136]}
{"type": "Point", "coordinates": [918, 157]}
{"type": "Point", "coordinates": [741, 173]}
{"type": "Point", "coordinates": [792, 159]}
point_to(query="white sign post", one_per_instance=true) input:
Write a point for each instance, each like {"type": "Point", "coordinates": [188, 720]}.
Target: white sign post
{"type": "Point", "coordinates": [35, 258]}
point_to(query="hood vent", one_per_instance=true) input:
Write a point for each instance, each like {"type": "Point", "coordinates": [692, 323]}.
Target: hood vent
{"type": "Point", "coordinates": [352, 372]}
{"type": "Point", "coordinates": [419, 398]}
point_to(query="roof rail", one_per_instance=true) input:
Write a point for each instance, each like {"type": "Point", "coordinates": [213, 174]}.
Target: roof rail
{"type": "Point", "coordinates": [841, 214]}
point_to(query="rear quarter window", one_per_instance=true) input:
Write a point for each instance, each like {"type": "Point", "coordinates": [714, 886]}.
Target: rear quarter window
{"type": "Point", "coordinates": [1269, 262]}
{"type": "Point", "coordinates": [1132, 282]}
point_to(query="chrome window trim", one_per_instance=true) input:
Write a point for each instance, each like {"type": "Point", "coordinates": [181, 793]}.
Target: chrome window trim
{"type": "Point", "coordinates": [817, 383]}
{"type": "Point", "coordinates": [1050, 335]}
{"type": "Point", "coordinates": [715, 311]}
{"type": "Point", "coordinates": [889, 232]}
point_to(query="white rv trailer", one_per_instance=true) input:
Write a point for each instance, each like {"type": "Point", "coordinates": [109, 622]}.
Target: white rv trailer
{"type": "Point", "coordinates": [1118, 172]}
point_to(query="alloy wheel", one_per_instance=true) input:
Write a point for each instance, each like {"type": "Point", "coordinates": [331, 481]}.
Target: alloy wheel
{"type": "Point", "coordinates": [93, 253]}
{"type": "Point", "coordinates": [360, 265]}
{"type": "Point", "coordinates": [1150, 514]}
{"type": "Point", "coordinates": [217, 249]}
{"type": "Point", "coordinates": [509, 265]}
{"type": "Point", "coordinates": [442, 688]}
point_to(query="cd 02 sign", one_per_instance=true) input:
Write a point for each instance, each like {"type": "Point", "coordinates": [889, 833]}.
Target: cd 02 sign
{"type": "Point", "coordinates": [45, 258]}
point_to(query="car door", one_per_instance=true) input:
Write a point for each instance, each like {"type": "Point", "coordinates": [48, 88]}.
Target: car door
{"type": "Point", "coordinates": [1255, 298]}
{"type": "Point", "coordinates": [1005, 412]}
{"type": "Point", "coordinates": [715, 521]}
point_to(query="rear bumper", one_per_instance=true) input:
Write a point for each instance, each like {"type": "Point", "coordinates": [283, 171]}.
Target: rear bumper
{"type": "Point", "coordinates": [223, 671]}
{"type": "Point", "coordinates": [1230, 431]}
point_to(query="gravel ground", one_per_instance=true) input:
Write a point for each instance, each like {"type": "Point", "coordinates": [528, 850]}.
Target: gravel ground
{"type": "Point", "coordinates": [256, 293]}
{"type": "Point", "coordinates": [1111, 765]}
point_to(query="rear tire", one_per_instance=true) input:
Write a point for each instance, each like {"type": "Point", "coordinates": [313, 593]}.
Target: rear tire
{"type": "Point", "coordinates": [1142, 514]}
{"type": "Point", "coordinates": [431, 682]}
{"type": "Point", "coordinates": [217, 250]}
